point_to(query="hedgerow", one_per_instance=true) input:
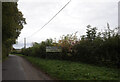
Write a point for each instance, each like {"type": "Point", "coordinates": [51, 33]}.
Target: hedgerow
{"type": "Point", "coordinates": [98, 48]}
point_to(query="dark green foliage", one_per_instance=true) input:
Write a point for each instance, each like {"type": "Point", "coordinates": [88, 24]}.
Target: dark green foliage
{"type": "Point", "coordinates": [38, 50]}
{"type": "Point", "coordinates": [100, 48]}
{"type": "Point", "coordinates": [12, 23]}
{"type": "Point", "coordinates": [15, 51]}
{"type": "Point", "coordinates": [91, 33]}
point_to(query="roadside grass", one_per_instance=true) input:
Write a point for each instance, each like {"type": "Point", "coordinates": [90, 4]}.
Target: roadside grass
{"type": "Point", "coordinates": [67, 70]}
{"type": "Point", "coordinates": [18, 54]}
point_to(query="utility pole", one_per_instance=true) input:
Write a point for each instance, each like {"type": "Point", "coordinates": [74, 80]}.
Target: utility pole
{"type": "Point", "coordinates": [24, 42]}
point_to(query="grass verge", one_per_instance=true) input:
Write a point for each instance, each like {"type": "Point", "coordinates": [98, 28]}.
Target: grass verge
{"type": "Point", "coordinates": [66, 70]}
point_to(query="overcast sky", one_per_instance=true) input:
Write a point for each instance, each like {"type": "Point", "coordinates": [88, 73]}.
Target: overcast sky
{"type": "Point", "coordinates": [74, 17]}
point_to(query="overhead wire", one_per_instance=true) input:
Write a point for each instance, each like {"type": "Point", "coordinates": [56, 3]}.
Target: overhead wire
{"type": "Point", "coordinates": [50, 19]}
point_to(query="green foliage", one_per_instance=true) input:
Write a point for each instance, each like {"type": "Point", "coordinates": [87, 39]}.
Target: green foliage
{"type": "Point", "coordinates": [38, 49]}
{"type": "Point", "coordinates": [91, 33]}
{"type": "Point", "coordinates": [67, 70]}
{"type": "Point", "coordinates": [100, 48]}
{"type": "Point", "coordinates": [15, 51]}
{"type": "Point", "coordinates": [12, 23]}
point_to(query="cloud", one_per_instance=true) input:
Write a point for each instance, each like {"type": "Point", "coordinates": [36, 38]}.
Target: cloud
{"type": "Point", "coordinates": [75, 17]}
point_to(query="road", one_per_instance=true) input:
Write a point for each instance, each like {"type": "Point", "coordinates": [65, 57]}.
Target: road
{"type": "Point", "coordinates": [17, 68]}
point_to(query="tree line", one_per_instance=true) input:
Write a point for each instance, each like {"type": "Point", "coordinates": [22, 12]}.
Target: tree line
{"type": "Point", "coordinates": [12, 24]}
{"type": "Point", "coordinates": [98, 48]}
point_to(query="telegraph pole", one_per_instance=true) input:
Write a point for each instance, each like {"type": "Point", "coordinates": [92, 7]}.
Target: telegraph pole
{"type": "Point", "coordinates": [24, 42]}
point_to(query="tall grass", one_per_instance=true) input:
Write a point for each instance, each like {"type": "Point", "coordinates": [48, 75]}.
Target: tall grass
{"type": "Point", "coordinates": [67, 70]}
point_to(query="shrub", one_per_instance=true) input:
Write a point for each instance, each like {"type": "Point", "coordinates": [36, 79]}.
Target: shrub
{"type": "Point", "coordinates": [100, 48]}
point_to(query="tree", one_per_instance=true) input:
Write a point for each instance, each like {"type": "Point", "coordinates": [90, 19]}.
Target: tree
{"type": "Point", "coordinates": [12, 24]}
{"type": "Point", "coordinates": [67, 42]}
{"type": "Point", "coordinates": [91, 33]}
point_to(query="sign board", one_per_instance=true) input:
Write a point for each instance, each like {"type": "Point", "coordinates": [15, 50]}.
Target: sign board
{"type": "Point", "coordinates": [53, 49]}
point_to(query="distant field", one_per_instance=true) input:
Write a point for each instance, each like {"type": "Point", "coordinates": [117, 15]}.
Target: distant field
{"type": "Point", "coordinates": [66, 70]}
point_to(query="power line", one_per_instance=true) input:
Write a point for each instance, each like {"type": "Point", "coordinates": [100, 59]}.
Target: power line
{"type": "Point", "coordinates": [51, 18]}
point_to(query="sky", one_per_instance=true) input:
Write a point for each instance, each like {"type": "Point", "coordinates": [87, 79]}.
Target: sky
{"type": "Point", "coordinates": [74, 17]}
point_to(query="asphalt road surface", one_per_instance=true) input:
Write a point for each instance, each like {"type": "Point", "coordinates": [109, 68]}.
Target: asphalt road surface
{"type": "Point", "coordinates": [17, 68]}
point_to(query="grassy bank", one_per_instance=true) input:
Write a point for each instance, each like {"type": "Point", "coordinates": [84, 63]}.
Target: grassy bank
{"type": "Point", "coordinates": [66, 70]}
